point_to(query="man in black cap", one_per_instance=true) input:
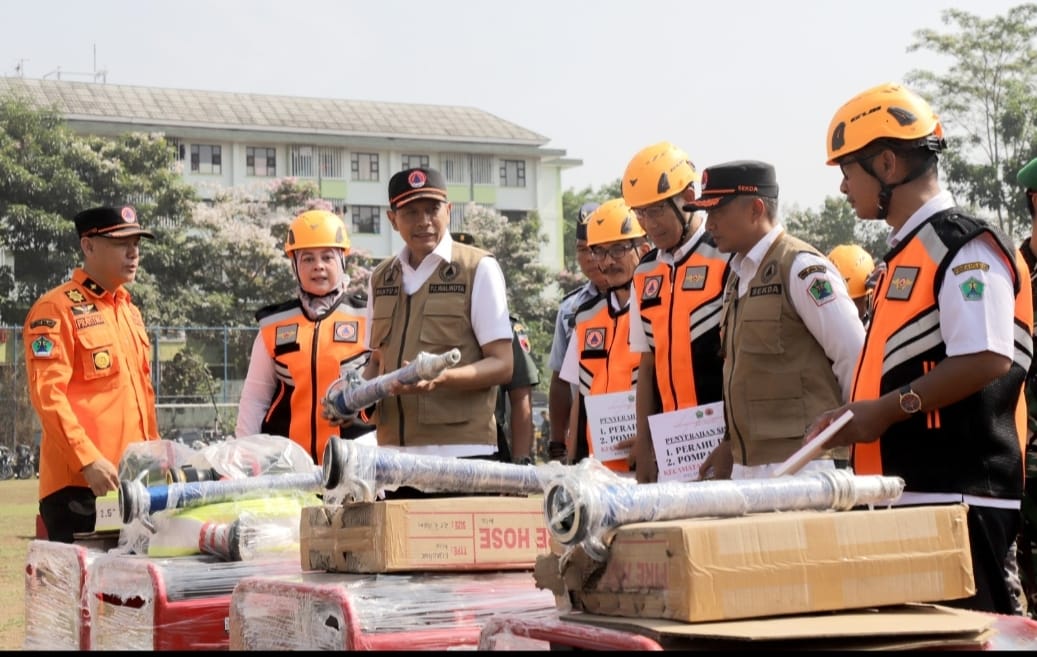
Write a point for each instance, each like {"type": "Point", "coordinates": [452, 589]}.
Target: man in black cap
{"type": "Point", "coordinates": [88, 358]}
{"type": "Point", "coordinates": [790, 332]}
{"type": "Point", "coordinates": [433, 296]}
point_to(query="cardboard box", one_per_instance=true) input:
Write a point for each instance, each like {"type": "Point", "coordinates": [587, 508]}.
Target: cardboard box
{"type": "Point", "coordinates": [900, 627]}
{"type": "Point", "coordinates": [447, 534]}
{"type": "Point", "coordinates": [771, 564]}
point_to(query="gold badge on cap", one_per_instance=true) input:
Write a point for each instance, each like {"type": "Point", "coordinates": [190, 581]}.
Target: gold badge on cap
{"type": "Point", "coordinates": [102, 360]}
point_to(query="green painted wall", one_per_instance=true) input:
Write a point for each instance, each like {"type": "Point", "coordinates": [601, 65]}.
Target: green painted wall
{"type": "Point", "coordinates": [333, 188]}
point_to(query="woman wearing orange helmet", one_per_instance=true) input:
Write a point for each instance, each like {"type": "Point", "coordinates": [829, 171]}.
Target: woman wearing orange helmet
{"type": "Point", "coordinates": [304, 343]}
{"type": "Point", "coordinates": [937, 398]}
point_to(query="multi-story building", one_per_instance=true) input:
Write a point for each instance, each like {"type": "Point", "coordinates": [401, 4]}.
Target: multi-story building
{"type": "Point", "coordinates": [349, 148]}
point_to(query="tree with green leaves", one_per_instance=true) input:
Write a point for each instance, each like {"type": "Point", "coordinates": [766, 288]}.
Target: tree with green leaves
{"type": "Point", "coordinates": [986, 101]}
{"type": "Point", "coordinates": [516, 245]}
{"type": "Point", "coordinates": [834, 224]}
{"type": "Point", "coordinates": [572, 200]}
{"type": "Point", "coordinates": [48, 174]}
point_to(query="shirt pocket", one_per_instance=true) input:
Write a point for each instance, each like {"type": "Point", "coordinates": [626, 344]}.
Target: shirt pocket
{"type": "Point", "coordinates": [99, 358]}
{"type": "Point", "coordinates": [443, 324]}
{"type": "Point", "coordinates": [760, 330]}
{"type": "Point", "coordinates": [775, 405]}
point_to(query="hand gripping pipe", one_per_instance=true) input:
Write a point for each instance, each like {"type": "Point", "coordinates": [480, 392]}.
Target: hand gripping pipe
{"type": "Point", "coordinates": [349, 393]}
{"type": "Point", "coordinates": [357, 473]}
{"type": "Point", "coordinates": [139, 501]}
{"type": "Point", "coordinates": [586, 504]}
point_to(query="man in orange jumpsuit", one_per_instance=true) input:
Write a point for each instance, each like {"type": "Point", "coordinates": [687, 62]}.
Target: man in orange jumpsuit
{"type": "Point", "coordinates": [88, 358]}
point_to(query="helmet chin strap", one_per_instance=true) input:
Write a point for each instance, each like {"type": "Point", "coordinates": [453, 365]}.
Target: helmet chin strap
{"type": "Point", "coordinates": [886, 189]}
{"type": "Point", "coordinates": [685, 224]}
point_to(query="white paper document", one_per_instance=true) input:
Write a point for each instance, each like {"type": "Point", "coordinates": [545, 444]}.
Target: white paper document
{"type": "Point", "coordinates": [612, 420]}
{"type": "Point", "coordinates": [683, 439]}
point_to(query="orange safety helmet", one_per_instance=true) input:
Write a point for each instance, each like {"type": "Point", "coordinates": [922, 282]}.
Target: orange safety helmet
{"type": "Point", "coordinates": [612, 221]}
{"type": "Point", "coordinates": [316, 229]}
{"type": "Point", "coordinates": [854, 264]}
{"type": "Point", "coordinates": [656, 173]}
{"type": "Point", "coordinates": [888, 111]}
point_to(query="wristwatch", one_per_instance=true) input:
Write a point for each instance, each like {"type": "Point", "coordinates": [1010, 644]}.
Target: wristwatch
{"type": "Point", "coordinates": [910, 402]}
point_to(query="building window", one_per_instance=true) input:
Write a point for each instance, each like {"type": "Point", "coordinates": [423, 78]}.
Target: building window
{"type": "Point", "coordinates": [367, 219]}
{"type": "Point", "coordinates": [300, 161]}
{"type": "Point", "coordinates": [338, 206]}
{"type": "Point", "coordinates": [413, 162]}
{"type": "Point", "coordinates": [260, 162]}
{"type": "Point", "coordinates": [206, 158]}
{"type": "Point", "coordinates": [513, 173]}
{"type": "Point", "coordinates": [331, 163]}
{"type": "Point", "coordinates": [455, 167]}
{"type": "Point", "coordinates": [482, 169]}
{"type": "Point", "coordinates": [177, 146]}
{"type": "Point", "coordinates": [364, 166]}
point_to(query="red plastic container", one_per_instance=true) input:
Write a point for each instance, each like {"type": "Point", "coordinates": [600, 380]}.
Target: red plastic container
{"type": "Point", "coordinates": [140, 603]}
{"type": "Point", "coordinates": [423, 611]}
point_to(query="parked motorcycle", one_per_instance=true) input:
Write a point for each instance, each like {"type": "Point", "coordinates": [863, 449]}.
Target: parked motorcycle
{"type": "Point", "coordinates": [25, 462]}
{"type": "Point", "coordinates": [6, 463]}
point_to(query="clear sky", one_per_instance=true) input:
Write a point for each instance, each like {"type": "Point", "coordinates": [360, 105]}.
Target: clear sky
{"type": "Point", "coordinates": [724, 80]}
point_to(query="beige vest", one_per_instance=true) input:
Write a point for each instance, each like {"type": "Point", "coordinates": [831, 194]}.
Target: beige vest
{"type": "Point", "coordinates": [435, 319]}
{"type": "Point", "coordinates": [777, 379]}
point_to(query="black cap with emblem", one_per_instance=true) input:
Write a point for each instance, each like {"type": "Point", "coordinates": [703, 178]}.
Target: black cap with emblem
{"type": "Point", "coordinates": [110, 222]}
{"type": "Point", "coordinates": [723, 182]}
{"type": "Point", "coordinates": [411, 184]}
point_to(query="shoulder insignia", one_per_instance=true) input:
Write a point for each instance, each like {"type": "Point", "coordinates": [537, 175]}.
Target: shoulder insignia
{"type": "Point", "coordinates": [45, 321]}
{"type": "Point", "coordinates": [820, 290]}
{"type": "Point", "coordinates": [972, 290]}
{"type": "Point", "coordinates": [42, 347]}
{"type": "Point", "coordinates": [93, 287]}
{"type": "Point", "coordinates": [970, 266]}
{"type": "Point", "coordinates": [75, 296]}
{"type": "Point", "coordinates": [812, 269]}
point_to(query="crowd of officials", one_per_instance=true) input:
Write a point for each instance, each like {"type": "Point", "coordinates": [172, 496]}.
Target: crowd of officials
{"type": "Point", "coordinates": [694, 294]}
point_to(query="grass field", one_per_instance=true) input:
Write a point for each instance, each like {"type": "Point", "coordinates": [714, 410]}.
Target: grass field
{"type": "Point", "coordinates": [17, 528]}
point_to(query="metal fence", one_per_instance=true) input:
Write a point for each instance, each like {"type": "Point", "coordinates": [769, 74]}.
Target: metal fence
{"type": "Point", "coordinates": [224, 350]}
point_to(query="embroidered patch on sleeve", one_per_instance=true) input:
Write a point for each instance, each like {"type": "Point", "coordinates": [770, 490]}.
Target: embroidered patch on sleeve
{"type": "Point", "coordinates": [821, 290]}
{"type": "Point", "coordinates": [972, 290]}
{"type": "Point", "coordinates": [970, 266]}
{"type": "Point", "coordinates": [45, 321]}
{"type": "Point", "coordinates": [42, 347]}
{"type": "Point", "coordinates": [812, 269]}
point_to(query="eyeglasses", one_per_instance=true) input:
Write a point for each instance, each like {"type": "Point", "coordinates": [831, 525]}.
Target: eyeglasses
{"type": "Point", "coordinates": [617, 251]}
{"type": "Point", "coordinates": [653, 212]}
